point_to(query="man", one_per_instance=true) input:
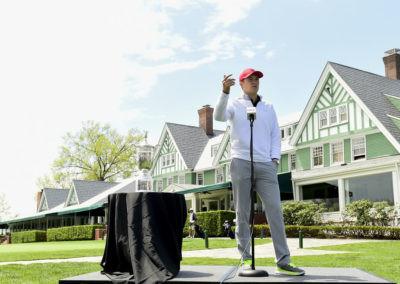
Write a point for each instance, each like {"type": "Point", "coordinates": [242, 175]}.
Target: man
{"type": "Point", "coordinates": [192, 223]}
{"type": "Point", "coordinates": [266, 155]}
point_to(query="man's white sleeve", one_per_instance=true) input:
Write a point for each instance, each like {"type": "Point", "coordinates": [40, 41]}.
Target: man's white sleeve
{"type": "Point", "coordinates": [221, 112]}
{"type": "Point", "coordinates": [275, 138]}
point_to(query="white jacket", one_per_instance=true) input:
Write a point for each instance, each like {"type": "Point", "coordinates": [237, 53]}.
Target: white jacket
{"type": "Point", "coordinates": [266, 132]}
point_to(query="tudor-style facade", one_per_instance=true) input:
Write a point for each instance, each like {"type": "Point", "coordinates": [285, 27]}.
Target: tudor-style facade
{"type": "Point", "coordinates": [344, 146]}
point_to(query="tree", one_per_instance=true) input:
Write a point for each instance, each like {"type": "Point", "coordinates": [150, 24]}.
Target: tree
{"type": "Point", "coordinates": [94, 153]}
{"type": "Point", "coordinates": [4, 208]}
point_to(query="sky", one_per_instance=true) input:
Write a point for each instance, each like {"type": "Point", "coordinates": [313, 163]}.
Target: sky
{"type": "Point", "coordinates": [139, 64]}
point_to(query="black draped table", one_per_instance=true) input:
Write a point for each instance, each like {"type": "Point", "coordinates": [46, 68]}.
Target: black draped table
{"type": "Point", "coordinates": [144, 237]}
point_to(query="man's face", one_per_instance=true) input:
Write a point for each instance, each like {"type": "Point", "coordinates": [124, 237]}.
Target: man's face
{"type": "Point", "coordinates": [250, 85]}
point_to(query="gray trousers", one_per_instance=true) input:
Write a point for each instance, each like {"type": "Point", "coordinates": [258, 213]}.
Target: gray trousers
{"type": "Point", "coordinates": [267, 187]}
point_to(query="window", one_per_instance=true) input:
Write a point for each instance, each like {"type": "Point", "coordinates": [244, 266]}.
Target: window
{"type": "Point", "coordinates": [289, 131]}
{"type": "Point", "coordinates": [318, 156]}
{"type": "Point", "coordinates": [214, 149]}
{"type": "Point", "coordinates": [219, 175]}
{"type": "Point", "coordinates": [159, 185]}
{"type": "Point", "coordinates": [228, 172]}
{"type": "Point", "coordinates": [343, 113]}
{"type": "Point", "coordinates": [375, 188]}
{"type": "Point", "coordinates": [143, 185]}
{"type": "Point", "coordinates": [358, 148]}
{"type": "Point", "coordinates": [293, 162]}
{"type": "Point", "coordinates": [337, 153]}
{"type": "Point", "coordinates": [168, 160]}
{"type": "Point", "coordinates": [200, 178]}
{"type": "Point", "coordinates": [323, 121]}
{"type": "Point", "coordinates": [325, 192]}
{"type": "Point", "coordinates": [181, 179]}
{"type": "Point", "coordinates": [333, 116]}
{"type": "Point", "coordinates": [170, 180]}
{"type": "Point", "coordinates": [282, 133]}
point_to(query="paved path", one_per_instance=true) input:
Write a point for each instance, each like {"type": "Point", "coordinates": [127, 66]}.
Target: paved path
{"type": "Point", "coordinates": [261, 251]}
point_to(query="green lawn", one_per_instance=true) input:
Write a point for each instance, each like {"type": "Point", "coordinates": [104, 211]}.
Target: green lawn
{"type": "Point", "coordinates": [54, 250]}
{"type": "Point", "coordinates": [380, 258]}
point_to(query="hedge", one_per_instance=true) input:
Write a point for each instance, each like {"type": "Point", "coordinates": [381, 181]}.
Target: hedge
{"type": "Point", "coordinates": [211, 221]}
{"type": "Point", "coordinates": [73, 233]}
{"type": "Point", "coordinates": [28, 237]}
{"type": "Point", "coordinates": [365, 232]}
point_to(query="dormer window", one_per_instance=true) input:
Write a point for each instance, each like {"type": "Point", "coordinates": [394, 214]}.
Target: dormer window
{"type": "Point", "coordinates": [168, 160]}
{"type": "Point", "coordinates": [333, 116]}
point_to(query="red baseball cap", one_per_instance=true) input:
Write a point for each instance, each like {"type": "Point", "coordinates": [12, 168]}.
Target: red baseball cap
{"type": "Point", "coordinates": [248, 72]}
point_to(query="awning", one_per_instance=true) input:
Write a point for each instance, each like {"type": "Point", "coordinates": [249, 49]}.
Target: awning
{"type": "Point", "coordinates": [227, 185]}
{"type": "Point", "coordinates": [82, 209]}
{"type": "Point", "coordinates": [26, 219]}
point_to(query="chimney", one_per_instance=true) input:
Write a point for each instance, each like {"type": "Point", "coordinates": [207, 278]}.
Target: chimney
{"type": "Point", "coordinates": [38, 197]}
{"type": "Point", "coordinates": [206, 119]}
{"type": "Point", "coordinates": [392, 63]}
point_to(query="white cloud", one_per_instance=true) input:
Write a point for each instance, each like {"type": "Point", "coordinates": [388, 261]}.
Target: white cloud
{"type": "Point", "coordinates": [228, 12]}
{"type": "Point", "coordinates": [270, 54]}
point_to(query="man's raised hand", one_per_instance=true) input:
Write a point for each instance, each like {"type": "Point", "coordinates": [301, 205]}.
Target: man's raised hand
{"type": "Point", "coordinates": [227, 83]}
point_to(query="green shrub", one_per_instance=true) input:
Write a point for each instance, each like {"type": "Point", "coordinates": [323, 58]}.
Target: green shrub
{"type": "Point", "coordinates": [84, 232]}
{"type": "Point", "coordinates": [302, 213]}
{"type": "Point", "coordinates": [211, 221]}
{"type": "Point", "coordinates": [28, 236]}
{"type": "Point", "coordinates": [358, 212]}
{"type": "Point", "coordinates": [383, 213]}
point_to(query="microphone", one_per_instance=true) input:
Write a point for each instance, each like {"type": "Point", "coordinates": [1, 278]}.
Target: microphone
{"type": "Point", "coordinates": [251, 113]}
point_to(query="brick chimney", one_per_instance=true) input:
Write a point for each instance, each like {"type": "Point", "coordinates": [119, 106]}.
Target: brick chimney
{"type": "Point", "coordinates": [206, 119]}
{"type": "Point", "coordinates": [38, 196]}
{"type": "Point", "coordinates": [392, 63]}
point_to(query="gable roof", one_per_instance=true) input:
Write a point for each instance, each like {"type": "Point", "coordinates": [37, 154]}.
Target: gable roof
{"type": "Point", "coordinates": [54, 196]}
{"type": "Point", "coordinates": [86, 189]}
{"type": "Point", "coordinates": [369, 91]}
{"type": "Point", "coordinates": [190, 141]}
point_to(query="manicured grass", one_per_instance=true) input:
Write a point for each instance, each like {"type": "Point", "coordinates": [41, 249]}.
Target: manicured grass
{"type": "Point", "coordinates": [199, 244]}
{"type": "Point", "coordinates": [54, 250]}
{"type": "Point", "coordinates": [380, 258]}
{"type": "Point", "coordinates": [44, 273]}
{"type": "Point", "coordinates": [51, 250]}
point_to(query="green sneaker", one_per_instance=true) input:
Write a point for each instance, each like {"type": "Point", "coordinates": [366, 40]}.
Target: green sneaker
{"type": "Point", "coordinates": [246, 264]}
{"type": "Point", "coordinates": [290, 269]}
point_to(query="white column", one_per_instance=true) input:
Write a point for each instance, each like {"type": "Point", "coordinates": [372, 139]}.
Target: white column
{"type": "Point", "coordinates": [396, 185]}
{"type": "Point", "coordinates": [342, 195]}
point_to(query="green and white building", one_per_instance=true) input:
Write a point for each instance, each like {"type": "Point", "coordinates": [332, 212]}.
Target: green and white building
{"type": "Point", "coordinates": [344, 146]}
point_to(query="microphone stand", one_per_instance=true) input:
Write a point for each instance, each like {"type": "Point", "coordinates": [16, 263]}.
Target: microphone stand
{"type": "Point", "coordinates": [253, 272]}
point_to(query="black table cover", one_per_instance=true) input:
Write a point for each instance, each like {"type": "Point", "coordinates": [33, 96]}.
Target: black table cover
{"type": "Point", "coordinates": [144, 237]}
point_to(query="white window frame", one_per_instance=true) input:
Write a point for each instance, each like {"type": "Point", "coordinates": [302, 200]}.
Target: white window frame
{"type": "Point", "coordinates": [228, 172]}
{"type": "Point", "coordinates": [323, 119]}
{"type": "Point", "coordinates": [181, 179]}
{"type": "Point", "coordinates": [338, 110]}
{"type": "Point", "coordinates": [198, 175]}
{"type": "Point", "coordinates": [322, 156]}
{"type": "Point", "coordinates": [219, 175]}
{"type": "Point", "coordinates": [331, 153]}
{"type": "Point", "coordinates": [168, 160]}
{"type": "Point", "coordinates": [332, 111]}
{"type": "Point", "coordinates": [353, 145]}
{"type": "Point", "coordinates": [345, 112]}
{"type": "Point", "coordinates": [170, 180]}
{"type": "Point", "coordinates": [291, 162]}
{"type": "Point", "coordinates": [159, 185]}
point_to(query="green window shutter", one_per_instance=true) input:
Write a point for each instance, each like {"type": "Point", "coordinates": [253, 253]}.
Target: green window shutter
{"type": "Point", "coordinates": [164, 183]}
{"type": "Point", "coordinates": [347, 151]}
{"type": "Point", "coordinates": [209, 177]}
{"type": "Point", "coordinates": [378, 146]}
{"type": "Point", "coordinates": [303, 159]}
{"type": "Point", "coordinates": [283, 166]}
{"type": "Point", "coordinates": [327, 155]}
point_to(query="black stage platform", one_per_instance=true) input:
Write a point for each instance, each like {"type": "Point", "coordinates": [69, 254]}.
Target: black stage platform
{"type": "Point", "coordinates": [215, 274]}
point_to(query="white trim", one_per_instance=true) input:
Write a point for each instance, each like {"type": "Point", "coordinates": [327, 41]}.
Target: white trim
{"type": "Point", "coordinates": [215, 174]}
{"type": "Point", "coordinates": [397, 98]}
{"type": "Point", "coordinates": [312, 156]}
{"type": "Point", "coordinates": [394, 117]}
{"type": "Point", "coordinates": [367, 111]}
{"type": "Point", "coordinates": [197, 179]}
{"type": "Point", "coordinates": [222, 147]}
{"type": "Point", "coordinates": [351, 148]}
{"type": "Point", "coordinates": [331, 152]}
{"type": "Point", "coordinates": [314, 99]}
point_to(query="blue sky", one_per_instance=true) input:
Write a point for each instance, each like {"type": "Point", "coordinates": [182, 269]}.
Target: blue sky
{"type": "Point", "coordinates": [139, 64]}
